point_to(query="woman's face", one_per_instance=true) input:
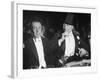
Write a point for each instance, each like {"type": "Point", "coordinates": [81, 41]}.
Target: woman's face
{"type": "Point", "coordinates": [67, 28]}
{"type": "Point", "coordinates": [37, 29]}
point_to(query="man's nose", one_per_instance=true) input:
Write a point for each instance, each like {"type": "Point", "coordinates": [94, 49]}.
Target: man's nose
{"type": "Point", "coordinates": [37, 30]}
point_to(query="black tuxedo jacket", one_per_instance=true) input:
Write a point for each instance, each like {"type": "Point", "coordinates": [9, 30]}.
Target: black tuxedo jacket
{"type": "Point", "coordinates": [30, 56]}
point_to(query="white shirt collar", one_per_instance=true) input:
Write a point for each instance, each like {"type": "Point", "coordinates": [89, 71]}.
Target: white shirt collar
{"type": "Point", "coordinates": [70, 34]}
{"type": "Point", "coordinates": [37, 39]}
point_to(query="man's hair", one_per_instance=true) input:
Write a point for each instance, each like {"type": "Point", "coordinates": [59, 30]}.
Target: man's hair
{"type": "Point", "coordinates": [37, 19]}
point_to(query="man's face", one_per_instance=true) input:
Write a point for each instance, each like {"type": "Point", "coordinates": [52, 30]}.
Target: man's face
{"type": "Point", "coordinates": [37, 28]}
{"type": "Point", "coordinates": [68, 28]}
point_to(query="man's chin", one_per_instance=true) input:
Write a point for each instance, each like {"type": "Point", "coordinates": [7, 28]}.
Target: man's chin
{"type": "Point", "coordinates": [37, 36]}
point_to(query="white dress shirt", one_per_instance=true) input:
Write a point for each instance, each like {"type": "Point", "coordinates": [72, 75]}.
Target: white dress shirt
{"type": "Point", "coordinates": [40, 51]}
{"type": "Point", "coordinates": [69, 44]}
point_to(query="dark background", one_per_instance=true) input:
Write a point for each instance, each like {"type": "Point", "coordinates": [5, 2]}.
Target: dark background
{"type": "Point", "coordinates": [53, 22]}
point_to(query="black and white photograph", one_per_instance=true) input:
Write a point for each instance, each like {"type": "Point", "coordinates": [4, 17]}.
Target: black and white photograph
{"type": "Point", "coordinates": [56, 39]}
{"type": "Point", "coordinates": [52, 40]}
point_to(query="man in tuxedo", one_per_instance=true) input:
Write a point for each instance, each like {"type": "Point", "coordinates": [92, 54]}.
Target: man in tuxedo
{"type": "Point", "coordinates": [69, 46]}
{"type": "Point", "coordinates": [36, 48]}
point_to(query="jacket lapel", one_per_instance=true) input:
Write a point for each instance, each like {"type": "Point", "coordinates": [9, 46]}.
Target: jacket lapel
{"type": "Point", "coordinates": [76, 41]}
{"type": "Point", "coordinates": [34, 50]}
{"type": "Point", "coordinates": [63, 46]}
{"type": "Point", "coordinates": [45, 48]}
{"type": "Point", "coordinates": [44, 45]}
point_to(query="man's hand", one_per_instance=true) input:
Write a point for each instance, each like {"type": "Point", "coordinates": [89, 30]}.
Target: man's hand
{"type": "Point", "coordinates": [83, 52]}
{"type": "Point", "coordinates": [62, 39]}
